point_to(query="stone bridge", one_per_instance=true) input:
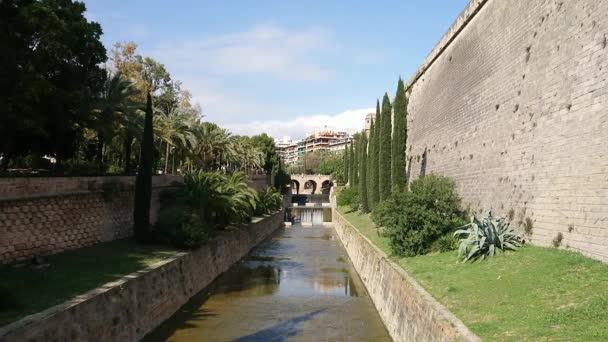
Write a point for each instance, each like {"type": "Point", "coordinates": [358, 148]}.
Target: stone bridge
{"type": "Point", "coordinates": [311, 184]}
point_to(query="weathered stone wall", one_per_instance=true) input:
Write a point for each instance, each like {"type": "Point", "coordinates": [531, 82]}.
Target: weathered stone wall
{"type": "Point", "coordinates": [128, 309]}
{"type": "Point", "coordinates": [259, 181]}
{"type": "Point", "coordinates": [42, 216]}
{"type": "Point", "coordinates": [407, 310]}
{"type": "Point", "coordinates": [513, 104]}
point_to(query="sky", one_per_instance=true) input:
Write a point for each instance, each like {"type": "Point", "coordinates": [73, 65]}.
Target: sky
{"type": "Point", "coordinates": [281, 67]}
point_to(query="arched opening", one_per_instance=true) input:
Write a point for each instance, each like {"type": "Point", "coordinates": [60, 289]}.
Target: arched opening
{"type": "Point", "coordinates": [295, 187]}
{"type": "Point", "coordinates": [326, 187]}
{"type": "Point", "coordinates": [310, 186]}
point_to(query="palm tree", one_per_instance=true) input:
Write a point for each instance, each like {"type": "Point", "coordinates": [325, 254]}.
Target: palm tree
{"type": "Point", "coordinates": [173, 129]}
{"type": "Point", "coordinates": [111, 108]}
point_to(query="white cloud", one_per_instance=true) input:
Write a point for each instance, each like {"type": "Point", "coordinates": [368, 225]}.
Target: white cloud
{"type": "Point", "coordinates": [350, 121]}
{"type": "Point", "coordinates": [264, 49]}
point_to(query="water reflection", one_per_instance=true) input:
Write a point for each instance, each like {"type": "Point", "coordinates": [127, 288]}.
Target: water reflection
{"type": "Point", "coordinates": [298, 283]}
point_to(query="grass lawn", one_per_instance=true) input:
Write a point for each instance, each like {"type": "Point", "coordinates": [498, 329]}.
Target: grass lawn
{"type": "Point", "coordinates": [27, 290]}
{"type": "Point", "coordinates": [535, 294]}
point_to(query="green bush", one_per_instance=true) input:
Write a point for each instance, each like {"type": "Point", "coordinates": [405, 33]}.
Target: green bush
{"type": "Point", "coordinates": [181, 227]}
{"type": "Point", "coordinates": [445, 243]}
{"type": "Point", "coordinates": [415, 220]}
{"type": "Point", "coordinates": [383, 214]}
{"type": "Point", "coordinates": [348, 196]}
{"type": "Point", "coordinates": [269, 201]}
{"type": "Point", "coordinates": [75, 167]}
{"type": "Point", "coordinates": [206, 202]}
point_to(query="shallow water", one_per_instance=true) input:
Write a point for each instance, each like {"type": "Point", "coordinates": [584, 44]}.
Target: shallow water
{"type": "Point", "coordinates": [298, 285]}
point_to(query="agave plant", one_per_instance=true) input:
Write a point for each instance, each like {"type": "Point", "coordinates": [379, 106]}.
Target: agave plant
{"type": "Point", "coordinates": [486, 238]}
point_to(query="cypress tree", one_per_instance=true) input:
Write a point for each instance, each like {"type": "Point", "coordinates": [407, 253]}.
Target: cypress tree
{"type": "Point", "coordinates": [364, 206]}
{"type": "Point", "coordinates": [376, 158]}
{"type": "Point", "coordinates": [351, 165]}
{"type": "Point", "coordinates": [370, 167]}
{"type": "Point", "coordinates": [143, 182]}
{"type": "Point", "coordinates": [346, 164]}
{"type": "Point", "coordinates": [399, 139]}
{"type": "Point", "coordinates": [385, 149]}
{"type": "Point", "coordinates": [355, 155]}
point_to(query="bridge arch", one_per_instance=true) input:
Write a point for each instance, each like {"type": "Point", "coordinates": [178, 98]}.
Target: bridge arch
{"type": "Point", "coordinates": [295, 187]}
{"type": "Point", "coordinates": [310, 184]}
{"type": "Point", "coordinates": [326, 186]}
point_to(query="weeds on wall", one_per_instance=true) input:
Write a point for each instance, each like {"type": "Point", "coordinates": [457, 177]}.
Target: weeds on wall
{"type": "Point", "coordinates": [557, 240]}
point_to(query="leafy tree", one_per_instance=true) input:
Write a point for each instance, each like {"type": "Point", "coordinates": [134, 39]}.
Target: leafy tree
{"type": "Point", "coordinates": [363, 202]}
{"type": "Point", "coordinates": [375, 163]}
{"type": "Point", "coordinates": [398, 145]}
{"type": "Point", "coordinates": [49, 72]}
{"type": "Point", "coordinates": [332, 163]}
{"type": "Point", "coordinates": [143, 182]}
{"type": "Point", "coordinates": [385, 149]}
{"type": "Point", "coordinates": [266, 144]}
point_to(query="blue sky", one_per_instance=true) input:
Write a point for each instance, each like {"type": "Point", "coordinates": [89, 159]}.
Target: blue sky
{"type": "Point", "coordinates": [283, 67]}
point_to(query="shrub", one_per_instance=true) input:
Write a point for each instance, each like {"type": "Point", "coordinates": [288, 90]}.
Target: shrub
{"type": "Point", "coordinates": [384, 214]}
{"type": "Point", "coordinates": [445, 243]}
{"type": "Point", "coordinates": [206, 202]}
{"type": "Point", "coordinates": [414, 220]}
{"type": "Point", "coordinates": [181, 227]}
{"type": "Point", "coordinates": [269, 201]}
{"type": "Point", "coordinates": [486, 238]}
{"type": "Point", "coordinates": [349, 196]}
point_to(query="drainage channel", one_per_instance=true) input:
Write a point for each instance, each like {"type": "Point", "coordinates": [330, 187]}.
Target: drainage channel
{"type": "Point", "coordinates": [298, 285]}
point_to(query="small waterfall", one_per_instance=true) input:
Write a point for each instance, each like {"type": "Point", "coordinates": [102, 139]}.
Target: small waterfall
{"type": "Point", "coordinates": [309, 215]}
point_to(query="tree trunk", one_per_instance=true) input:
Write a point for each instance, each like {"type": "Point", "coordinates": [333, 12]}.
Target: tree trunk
{"type": "Point", "coordinates": [128, 146]}
{"type": "Point", "coordinates": [99, 151]}
{"type": "Point", "coordinates": [166, 159]}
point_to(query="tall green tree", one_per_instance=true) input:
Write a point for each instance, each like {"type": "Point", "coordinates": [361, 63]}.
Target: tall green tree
{"type": "Point", "coordinates": [346, 164]}
{"type": "Point", "coordinates": [143, 182]}
{"type": "Point", "coordinates": [363, 200]}
{"type": "Point", "coordinates": [375, 163]}
{"type": "Point", "coordinates": [351, 165]}
{"type": "Point", "coordinates": [370, 167]}
{"type": "Point", "coordinates": [266, 144]}
{"type": "Point", "coordinates": [399, 139]}
{"type": "Point", "coordinates": [356, 159]}
{"type": "Point", "coordinates": [49, 74]}
{"type": "Point", "coordinates": [385, 149]}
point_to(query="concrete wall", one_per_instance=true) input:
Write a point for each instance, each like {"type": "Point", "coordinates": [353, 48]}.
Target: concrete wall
{"type": "Point", "coordinates": [127, 309]}
{"type": "Point", "coordinates": [407, 310]}
{"type": "Point", "coordinates": [47, 215]}
{"type": "Point", "coordinates": [513, 104]}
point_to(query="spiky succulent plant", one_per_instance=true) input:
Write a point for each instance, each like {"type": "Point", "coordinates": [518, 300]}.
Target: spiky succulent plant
{"type": "Point", "coordinates": [486, 237]}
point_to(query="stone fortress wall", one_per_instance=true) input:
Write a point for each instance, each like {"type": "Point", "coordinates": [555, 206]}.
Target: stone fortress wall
{"type": "Point", "coordinates": [512, 104]}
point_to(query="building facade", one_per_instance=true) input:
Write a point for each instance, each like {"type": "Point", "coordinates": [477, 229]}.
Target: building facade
{"type": "Point", "coordinates": [291, 151]}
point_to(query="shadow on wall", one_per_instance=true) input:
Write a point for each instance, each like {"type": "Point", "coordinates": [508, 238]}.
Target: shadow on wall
{"type": "Point", "coordinates": [423, 163]}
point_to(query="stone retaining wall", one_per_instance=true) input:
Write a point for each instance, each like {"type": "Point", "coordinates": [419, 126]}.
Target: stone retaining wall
{"type": "Point", "coordinates": [129, 308]}
{"type": "Point", "coordinates": [48, 215]}
{"type": "Point", "coordinates": [407, 310]}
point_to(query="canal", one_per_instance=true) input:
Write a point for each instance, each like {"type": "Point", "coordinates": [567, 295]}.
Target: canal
{"type": "Point", "coordinates": [298, 285]}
